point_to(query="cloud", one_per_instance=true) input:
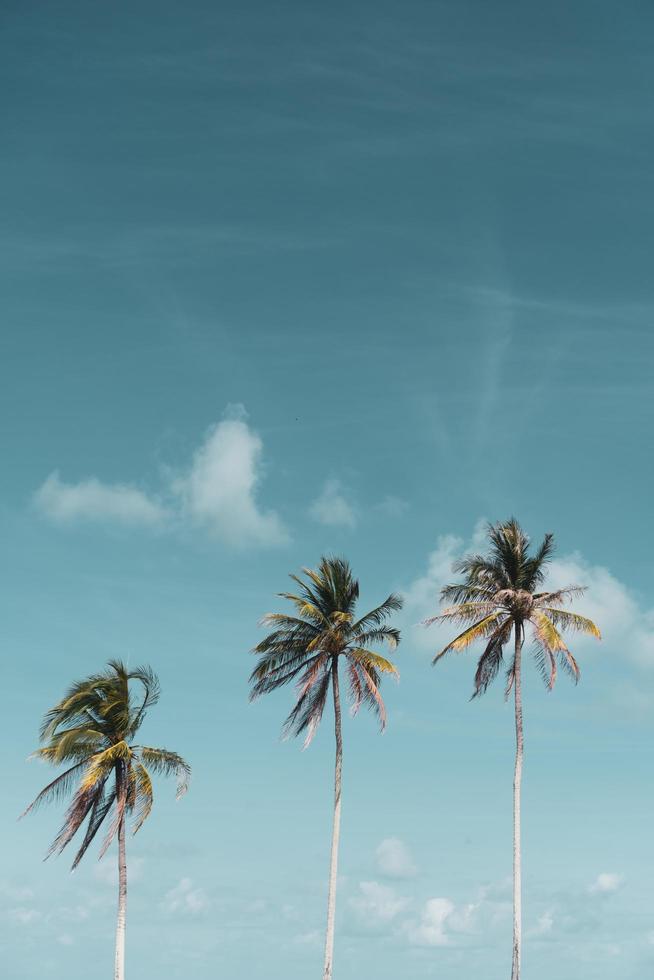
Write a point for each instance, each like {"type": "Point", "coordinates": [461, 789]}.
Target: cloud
{"type": "Point", "coordinates": [332, 507]}
{"type": "Point", "coordinates": [627, 625]}
{"type": "Point", "coordinates": [92, 500]}
{"type": "Point", "coordinates": [219, 490]}
{"type": "Point", "coordinates": [392, 506]}
{"type": "Point", "coordinates": [430, 929]}
{"type": "Point", "coordinates": [394, 859]}
{"type": "Point", "coordinates": [606, 883]}
{"type": "Point", "coordinates": [377, 905]}
{"type": "Point", "coordinates": [184, 898]}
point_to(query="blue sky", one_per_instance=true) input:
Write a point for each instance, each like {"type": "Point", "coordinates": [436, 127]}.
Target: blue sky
{"type": "Point", "coordinates": [294, 279]}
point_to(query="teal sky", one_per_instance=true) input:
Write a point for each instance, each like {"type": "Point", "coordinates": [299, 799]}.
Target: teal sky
{"type": "Point", "coordinates": [286, 279]}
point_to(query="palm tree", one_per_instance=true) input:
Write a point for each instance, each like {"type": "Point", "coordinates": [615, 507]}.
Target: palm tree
{"type": "Point", "coordinates": [308, 647]}
{"type": "Point", "coordinates": [93, 726]}
{"type": "Point", "coordinates": [498, 597]}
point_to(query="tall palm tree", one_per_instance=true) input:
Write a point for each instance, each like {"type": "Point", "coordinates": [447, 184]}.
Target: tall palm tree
{"type": "Point", "coordinates": [498, 597]}
{"type": "Point", "coordinates": [308, 648]}
{"type": "Point", "coordinates": [94, 726]}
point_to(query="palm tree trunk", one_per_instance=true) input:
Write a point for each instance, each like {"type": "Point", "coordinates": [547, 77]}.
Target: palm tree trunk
{"type": "Point", "coordinates": [333, 868]}
{"type": "Point", "coordinates": [517, 783]}
{"type": "Point", "coordinates": [119, 968]}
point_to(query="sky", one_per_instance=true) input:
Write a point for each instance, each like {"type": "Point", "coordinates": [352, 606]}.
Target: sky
{"type": "Point", "coordinates": [285, 280]}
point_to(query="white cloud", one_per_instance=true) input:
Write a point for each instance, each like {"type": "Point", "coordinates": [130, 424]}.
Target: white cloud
{"type": "Point", "coordinates": [626, 625]}
{"type": "Point", "coordinates": [332, 506]}
{"type": "Point", "coordinates": [24, 916]}
{"type": "Point", "coordinates": [184, 898]}
{"type": "Point", "coordinates": [92, 500]}
{"type": "Point", "coordinates": [376, 904]}
{"type": "Point", "coordinates": [394, 859]}
{"type": "Point", "coordinates": [65, 939]}
{"type": "Point", "coordinates": [311, 938]}
{"type": "Point", "coordinates": [606, 883]}
{"type": "Point", "coordinates": [219, 490]}
{"type": "Point", "coordinates": [392, 506]}
{"type": "Point", "coordinates": [431, 928]}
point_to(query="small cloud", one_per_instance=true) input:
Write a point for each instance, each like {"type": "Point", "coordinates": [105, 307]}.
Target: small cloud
{"type": "Point", "coordinates": [311, 938]}
{"type": "Point", "coordinates": [394, 859]}
{"type": "Point", "coordinates": [24, 916]}
{"type": "Point", "coordinates": [106, 871]}
{"type": "Point", "coordinates": [376, 904]}
{"type": "Point", "coordinates": [184, 898]}
{"type": "Point", "coordinates": [544, 925]}
{"type": "Point", "coordinates": [92, 500]}
{"type": "Point", "coordinates": [392, 506]}
{"type": "Point", "coordinates": [219, 491]}
{"type": "Point", "coordinates": [431, 928]}
{"type": "Point", "coordinates": [65, 939]}
{"type": "Point", "coordinates": [606, 883]}
{"type": "Point", "coordinates": [332, 507]}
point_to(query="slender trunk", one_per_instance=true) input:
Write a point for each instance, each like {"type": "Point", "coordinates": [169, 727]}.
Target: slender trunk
{"type": "Point", "coordinates": [333, 867]}
{"type": "Point", "coordinates": [517, 783]}
{"type": "Point", "coordinates": [119, 968]}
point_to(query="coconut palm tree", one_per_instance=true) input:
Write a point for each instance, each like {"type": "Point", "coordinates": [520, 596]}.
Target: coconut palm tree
{"type": "Point", "coordinates": [498, 597]}
{"type": "Point", "coordinates": [93, 726]}
{"type": "Point", "coordinates": [309, 647]}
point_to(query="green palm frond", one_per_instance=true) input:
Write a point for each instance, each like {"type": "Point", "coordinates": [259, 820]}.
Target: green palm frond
{"type": "Point", "coordinates": [93, 726]}
{"type": "Point", "coordinates": [504, 583]}
{"type": "Point", "coordinates": [58, 789]}
{"type": "Point", "coordinates": [306, 646]}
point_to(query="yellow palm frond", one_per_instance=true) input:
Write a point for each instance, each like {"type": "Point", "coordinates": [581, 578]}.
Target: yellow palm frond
{"type": "Point", "coordinates": [370, 659]}
{"type": "Point", "coordinates": [102, 763]}
{"type": "Point", "coordinates": [480, 629]}
{"type": "Point", "coordinates": [572, 621]}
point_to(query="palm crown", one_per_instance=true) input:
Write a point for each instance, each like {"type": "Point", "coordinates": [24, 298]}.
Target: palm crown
{"type": "Point", "coordinates": [93, 727]}
{"type": "Point", "coordinates": [499, 594]}
{"type": "Point", "coordinates": [308, 646]}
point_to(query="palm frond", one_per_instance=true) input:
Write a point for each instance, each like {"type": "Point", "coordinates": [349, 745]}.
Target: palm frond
{"type": "Point", "coordinates": [370, 659]}
{"type": "Point", "coordinates": [57, 789]}
{"type": "Point", "coordinates": [482, 628]}
{"type": "Point", "coordinates": [166, 763]}
{"type": "Point", "coordinates": [566, 620]}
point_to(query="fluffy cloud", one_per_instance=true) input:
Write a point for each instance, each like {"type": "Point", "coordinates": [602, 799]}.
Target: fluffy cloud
{"type": "Point", "coordinates": [91, 500]}
{"type": "Point", "coordinates": [332, 506]}
{"type": "Point", "coordinates": [627, 626]}
{"type": "Point", "coordinates": [219, 490]}
{"type": "Point", "coordinates": [431, 927]}
{"type": "Point", "coordinates": [184, 898]}
{"type": "Point", "coordinates": [394, 859]}
{"type": "Point", "coordinates": [377, 905]}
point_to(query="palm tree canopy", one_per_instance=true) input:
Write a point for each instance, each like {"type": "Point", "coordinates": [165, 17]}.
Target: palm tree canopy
{"type": "Point", "coordinates": [93, 726]}
{"type": "Point", "coordinates": [501, 592]}
{"type": "Point", "coordinates": [307, 646]}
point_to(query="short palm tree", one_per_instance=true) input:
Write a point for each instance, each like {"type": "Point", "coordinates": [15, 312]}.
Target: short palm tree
{"type": "Point", "coordinates": [94, 726]}
{"type": "Point", "coordinates": [498, 597]}
{"type": "Point", "coordinates": [309, 648]}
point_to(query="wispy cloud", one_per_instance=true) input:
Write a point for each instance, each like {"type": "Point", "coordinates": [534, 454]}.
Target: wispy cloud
{"type": "Point", "coordinates": [185, 898]}
{"type": "Point", "coordinates": [377, 905]}
{"type": "Point", "coordinates": [332, 507]}
{"type": "Point", "coordinates": [92, 500]}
